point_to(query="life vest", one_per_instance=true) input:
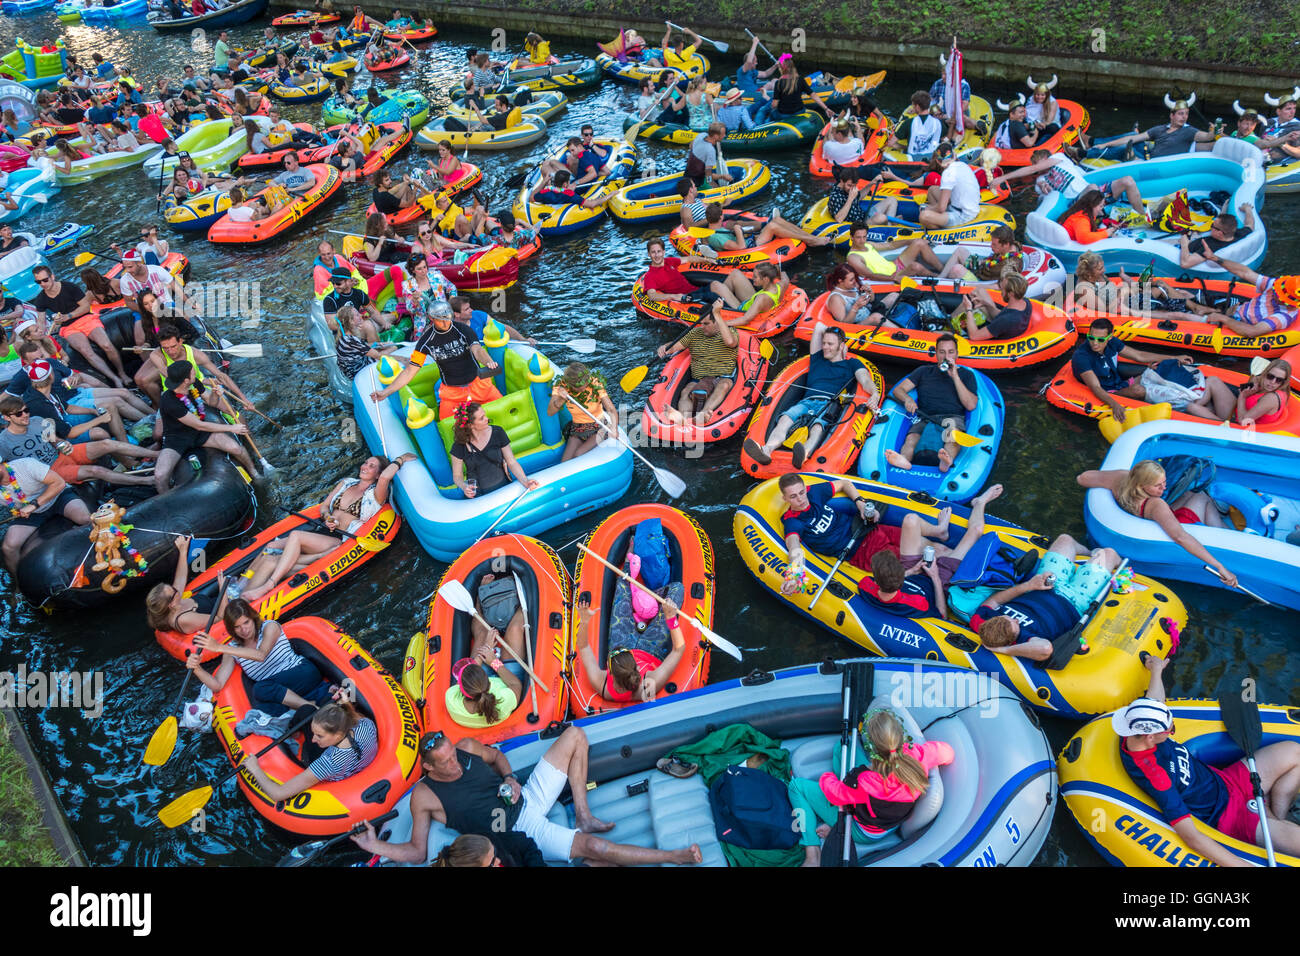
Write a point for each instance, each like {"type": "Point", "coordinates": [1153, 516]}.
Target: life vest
{"type": "Point", "coordinates": [776, 299]}
{"type": "Point", "coordinates": [189, 357]}
{"type": "Point", "coordinates": [645, 664]}
{"type": "Point", "coordinates": [358, 23]}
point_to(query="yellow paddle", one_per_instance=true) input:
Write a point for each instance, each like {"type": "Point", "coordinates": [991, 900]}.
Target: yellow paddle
{"type": "Point", "coordinates": [630, 134]}
{"type": "Point", "coordinates": [634, 377]}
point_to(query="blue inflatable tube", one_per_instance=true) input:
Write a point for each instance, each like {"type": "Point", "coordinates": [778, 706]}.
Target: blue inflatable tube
{"type": "Point", "coordinates": [973, 465]}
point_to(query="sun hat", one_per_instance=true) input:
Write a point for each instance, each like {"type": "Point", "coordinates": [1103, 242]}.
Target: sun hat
{"type": "Point", "coordinates": [1143, 716]}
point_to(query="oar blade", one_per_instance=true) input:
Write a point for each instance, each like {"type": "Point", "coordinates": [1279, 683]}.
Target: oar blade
{"type": "Point", "coordinates": [82, 258]}
{"type": "Point", "coordinates": [717, 640]}
{"type": "Point", "coordinates": [583, 346]}
{"type": "Point", "coordinates": [670, 483]}
{"type": "Point", "coordinates": [245, 350]}
{"type": "Point", "coordinates": [302, 855]}
{"type": "Point", "coordinates": [1240, 712]}
{"type": "Point", "coordinates": [181, 810]}
{"type": "Point", "coordinates": [455, 594]}
{"type": "Point", "coordinates": [722, 47]}
{"type": "Point", "coordinates": [965, 439]}
{"type": "Point", "coordinates": [162, 743]}
{"type": "Point", "coordinates": [633, 378]}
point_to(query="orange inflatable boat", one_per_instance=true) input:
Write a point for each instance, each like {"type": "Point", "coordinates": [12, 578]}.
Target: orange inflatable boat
{"type": "Point", "coordinates": [777, 250]}
{"type": "Point", "coordinates": [728, 417]}
{"type": "Point", "coordinates": [794, 301]}
{"type": "Point", "coordinates": [227, 230]}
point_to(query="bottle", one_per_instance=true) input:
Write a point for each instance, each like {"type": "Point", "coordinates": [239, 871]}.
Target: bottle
{"type": "Point", "coordinates": [651, 170]}
{"type": "Point", "coordinates": [928, 555]}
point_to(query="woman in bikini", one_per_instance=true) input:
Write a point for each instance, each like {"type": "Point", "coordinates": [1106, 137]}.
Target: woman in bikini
{"type": "Point", "coordinates": [352, 503]}
{"type": "Point", "coordinates": [170, 609]}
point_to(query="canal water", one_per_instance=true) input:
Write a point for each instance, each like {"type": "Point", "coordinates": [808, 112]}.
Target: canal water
{"type": "Point", "coordinates": [577, 287]}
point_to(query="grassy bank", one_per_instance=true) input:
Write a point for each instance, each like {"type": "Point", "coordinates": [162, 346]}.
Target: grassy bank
{"type": "Point", "coordinates": [1250, 33]}
{"type": "Point", "coordinates": [23, 840]}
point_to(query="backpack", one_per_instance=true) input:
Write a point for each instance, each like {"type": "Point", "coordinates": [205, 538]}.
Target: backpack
{"type": "Point", "coordinates": [990, 563]}
{"type": "Point", "coordinates": [1186, 473]}
{"type": "Point", "coordinates": [499, 601]}
{"type": "Point", "coordinates": [651, 547]}
{"type": "Point", "coordinates": [751, 809]}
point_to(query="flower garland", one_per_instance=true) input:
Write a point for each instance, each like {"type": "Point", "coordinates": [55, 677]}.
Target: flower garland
{"type": "Point", "coordinates": [124, 543]}
{"type": "Point", "coordinates": [195, 411]}
{"type": "Point", "coordinates": [14, 497]}
{"type": "Point", "coordinates": [587, 392]}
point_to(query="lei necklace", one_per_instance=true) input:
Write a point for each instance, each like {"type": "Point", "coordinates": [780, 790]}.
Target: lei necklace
{"type": "Point", "coordinates": [196, 411]}
{"type": "Point", "coordinates": [141, 565]}
{"type": "Point", "coordinates": [14, 496]}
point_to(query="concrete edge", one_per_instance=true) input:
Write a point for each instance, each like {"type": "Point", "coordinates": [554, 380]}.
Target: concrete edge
{"type": "Point", "coordinates": [53, 819]}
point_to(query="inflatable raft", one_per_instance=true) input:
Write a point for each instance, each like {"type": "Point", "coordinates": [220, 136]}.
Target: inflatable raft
{"type": "Point", "coordinates": [1073, 118]}
{"type": "Point", "coordinates": [226, 230]}
{"type": "Point", "coordinates": [793, 303]}
{"type": "Point", "coordinates": [552, 220]}
{"type": "Point", "coordinates": [430, 656]}
{"type": "Point", "coordinates": [27, 187]}
{"type": "Point", "coordinates": [766, 137]}
{"type": "Point", "coordinates": [648, 200]}
{"type": "Point", "coordinates": [778, 250]}
{"type": "Point", "coordinates": [1257, 478]}
{"type": "Point", "coordinates": [992, 806]}
{"type": "Point", "coordinates": [315, 89]}
{"type": "Point", "coordinates": [327, 808]}
{"type": "Point", "coordinates": [443, 520]}
{"type": "Point", "coordinates": [100, 164]}
{"type": "Point", "coordinates": [972, 140]}
{"type": "Point", "coordinates": [875, 138]}
{"type": "Point", "coordinates": [486, 270]}
{"type": "Point", "coordinates": [568, 76]}
{"type": "Point", "coordinates": [216, 503]}
{"type": "Point", "coordinates": [397, 105]}
{"type": "Point", "coordinates": [1233, 167]}
{"type": "Point", "coordinates": [1042, 270]}
{"type": "Point", "coordinates": [980, 229]}
{"type": "Point", "coordinates": [326, 570]}
{"type": "Point", "coordinates": [547, 106]}
{"type": "Point", "coordinates": [728, 418]}
{"type": "Point", "coordinates": [690, 558]}
{"type": "Point", "coordinates": [212, 145]}
{"type": "Point", "coordinates": [522, 131]}
{"type": "Point", "coordinates": [1050, 333]}
{"type": "Point", "coordinates": [1108, 675]}
{"type": "Point", "coordinates": [304, 18]}
{"type": "Point", "coordinates": [633, 71]}
{"type": "Point", "coordinates": [199, 212]}
{"type": "Point", "coordinates": [968, 472]}
{"type": "Point", "coordinates": [1122, 822]}
{"type": "Point", "coordinates": [842, 436]}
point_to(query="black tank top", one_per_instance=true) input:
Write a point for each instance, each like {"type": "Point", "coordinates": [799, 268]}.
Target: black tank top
{"type": "Point", "coordinates": [471, 801]}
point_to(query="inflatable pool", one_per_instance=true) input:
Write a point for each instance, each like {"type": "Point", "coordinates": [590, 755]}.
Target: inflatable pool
{"type": "Point", "coordinates": [1233, 167]}
{"type": "Point", "coordinates": [968, 472]}
{"type": "Point", "coordinates": [122, 10]}
{"type": "Point", "coordinates": [213, 146]}
{"type": "Point", "coordinates": [1042, 271]}
{"type": "Point", "coordinates": [27, 187]}
{"type": "Point", "coordinates": [992, 806]}
{"type": "Point", "coordinates": [1257, 478]}
{"type": "Point", "coordinates": [397, 105]}
{"type": "Point", "coordinates": [29, 66]}
{"type": "Point", "coordinates": [1108, 675]}
{"type": "Point", "coordinates": [444, 521]}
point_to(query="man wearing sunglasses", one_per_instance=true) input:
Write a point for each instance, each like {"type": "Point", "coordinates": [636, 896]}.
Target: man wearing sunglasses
{"type": "Point", "coordinates": [29, 436]}
{"type": "Point", "coordinates": [1096, 364]}
{"type": "Point", "coordinates": [1184, 787]}
{"type": "Point", "coordinates": [460, 786]}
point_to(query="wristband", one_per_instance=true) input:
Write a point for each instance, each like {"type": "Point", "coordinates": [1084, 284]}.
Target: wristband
{"type": "Point", "coordinates": [671, 622]}
{"type": "Point", "coordinates": [496, 664]}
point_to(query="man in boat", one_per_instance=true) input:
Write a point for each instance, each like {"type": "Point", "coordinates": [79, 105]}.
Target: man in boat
{"type": "Point", "coordinates": [1275, 308]}
{"type": "Point", "coordinates": [346, 293]}
{"type": "Point", "coordinates": [908, 592]}
{"type": "Point", "coordinates": [185, 430]}
{"type": "Point", "coordinates": [945, 395]}
{"type": "Point", "coordinates": [676, 53]}
{"type": "Point", "coordinates": [1024, 619]}
{"type": "Point", "coordinates": [813, 521]}
{"type": "Point", "coordinates": [578, 162]}
{"type": "Point", "coordinates": [705, 158]}
{"type": "Point", "coordinates": [68, 306]}
{"type": "Point", "coordinates": [954, 202]}
{"type": "Point", "coordinates": [1168, 139]}
{"type": "Point", "coordinates": [746, 234]}
{"type": "Point", "coordinates": [295, 180]}
{"type": "Point", "coordinates": [864, 257]}
{"type": "Point", "coordinates": [831, 370]}
{"type": "Point", "coordinates": [713, 346]}
{"type": "Point", "coordinates": [557, 190]}
{"type": "Point", "coordinates": [1018, 132]}
{"type": "Point", "coordinates": [664, 282]}
{"type": "Point", "coordinates": [29, 436]}
{"type": "Point", "coordinates": [1187, 789]}
{"type": "Point", "coordinates": [465, 313]}
{"type": "Point", "coordinates": [459, 790]}
{"type": "Point", "coordinates": [36, 493]}
{"type": "Point", "coordinates": [172, 348]}
{"type": "Point", "coordinates": [734, 114]}
{"type": "Point", "coordinates": [1224, 231]}
{"type": "Point", "coordinates": [969, 265]}
{"type": "Point", "coordinates": [845, 144]}
{"type": "Point", "coordinates": [8, 241]}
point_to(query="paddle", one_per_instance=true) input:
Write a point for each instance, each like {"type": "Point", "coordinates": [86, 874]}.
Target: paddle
{"type": "Point", "coordinates": [1240, 715]}
{"type": "Point", "coordinates": [761, 45]}
{"type": "Point", "coordinates": [265, 465]}
{"type": "Point", "coordinates": [310, 852]}
{"type": "Point", "coordinates": [856, 678]}
{"type": "Point", "coordinates": [535, 716]}
{"type": "Point", "coordinates": [670, 483]}
{"type": "Point", "coordinates": [965, 439]}
{"type": "Point", "coordinates": [368, 542]}
{"type": "Point", "coordinates": [485, 533]}
{"type": "Point", "coordinates": [630, 134]}
{"type": "Point", "coordinates": [721, 47]}
{"type": "Point", "coordinates": [454, 593]}
{"type": "Point", "coordinates": [159, 749]}
{"type": "Point", "coordinates": [182, 809]}
{"type": "Point", "coordinates": [1241, 587]}
{"type": "Point", "coordinates": [848, 549]}
{"type": "Point", "coordinates": [244, 350]}
{"type": "Point", "coordinates": [706, 632]}
{"type": "Point", "coordinates": [1068, 644]}
{"type": "Point", "coordinates": [583, 346]}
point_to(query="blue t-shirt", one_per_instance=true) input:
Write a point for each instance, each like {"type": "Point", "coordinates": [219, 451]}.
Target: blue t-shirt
{"type": "Point", "coordinates": [588, 162]}
{"type": "Point", "coordinates": [1042, 614]}
{"type": "Point", "coordinates": [101, 115]}
{"type": "Point", "coordinates": [478, 320]}
{"type": "Point", "coordinates": [823, 528]}
{"type": "Point", "coordinates": [826, 377]}
{"type": "Point", "coordinates": [747, 80]}
{"type": "Point", "coordinates": [1105, 365]}
{"type": "Point", "coordinates": [1179, 783]}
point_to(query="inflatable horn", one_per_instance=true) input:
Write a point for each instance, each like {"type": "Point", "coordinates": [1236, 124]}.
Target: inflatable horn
{"type": "Point", "coordinates": [1019, 100]}
{"type": "Point", "coordinates": [1237, 108]}
{"type": "Point", "coordinates": [1029, 81]}
{"type": "Point", "coordinates": [943, 62]}
{"type": "Point", "coordinates": [1277, 100]}
{"type": "Point", "coordinates": [1180, 104]}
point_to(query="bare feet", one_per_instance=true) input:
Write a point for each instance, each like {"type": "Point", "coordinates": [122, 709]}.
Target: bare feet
{"type": "Point", "coordinates": [590, 824]}
{"type": "Point", "coordinates": [941, 523]}
{"type": "Point", "coordinates": [993, 492]}
{"type": "Point", "coordinates": [945, 460]}
{"type": "Point", "coordinates": [690, 855]}
{"type": "Point", "coordinates": [897, 461]}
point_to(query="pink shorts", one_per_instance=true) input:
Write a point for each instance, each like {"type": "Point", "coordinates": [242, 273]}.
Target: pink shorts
{"type": "Point", "coordinates": [1238, 820]}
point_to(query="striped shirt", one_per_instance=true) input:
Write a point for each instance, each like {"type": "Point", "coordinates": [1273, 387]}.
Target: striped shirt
{"type": "Point", "coordinates": [339, 763]}
{"type": "Point", "coordinates": [709, 354]}
{"type": "Point", "coordinates": [281, 658]}
{"type": "Point", "coordinates": [352, 352]}
{"type": "Point", "coordinates": [1267, 308]}
{"type": "Point", "coordinates": [485, 81]}
{"type": "Point", "coordinates": [697, 211]}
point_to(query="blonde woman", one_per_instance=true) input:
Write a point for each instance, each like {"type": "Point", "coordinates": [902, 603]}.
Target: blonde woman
{"type": "Point", "coordinates": [1138, 491]}
{"type": "Point", "coordinates": [1263, 399]}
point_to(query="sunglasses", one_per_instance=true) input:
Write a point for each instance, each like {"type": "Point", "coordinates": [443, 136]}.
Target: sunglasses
{"type": "Point", "coordinates": [45, 280]}
{"type": "Point", "coordinates": [1098, 338]}
{"type": "Point", "coordinates": [1280, 379]}
{"type": "Point", "coordinates": [431, 741]}
{"type": "Point", "coordinates": [21, 411]}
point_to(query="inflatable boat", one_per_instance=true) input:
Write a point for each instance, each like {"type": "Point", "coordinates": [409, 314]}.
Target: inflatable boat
{"type": "Point", "coordinates": [1257, 478]}
{"type": "Point", "coordinates": [992, 806]}
{"type": "Point", "coordinates": [1107, 675]}
{"type": "Point", "coordinates": [444, 521]}
{"type": "Point", "coordinates": [727, 419]}
{"type": "Point", "coordinates": [648, 200]}
{"type": "Point", "coordinates": [212, 145]}
{"type": "Point", "coordinates": [27, 187]}
{"type": "Point", "coordinates": [213, 501]}
{"type": "Point", "coordinates": [227, 230]}
{"type": "Point", "coordinates": [766, 137]}
{"type": "Point", "coordinates": [633, 71]}
{"type": "Point", "coordinates": [1233, 167]}
{"type": "Point", "coordinates": [818, 221]}
{"type": "Point", "coordinates": [570, 76]}
{"type": "Point", "coordinates": [793, 303]}
{"type": "Point", "coordinates": [545, 106]}
{"type": "Point", "coordinates": [328, 808]}
{"type": "Point", "coordinates": [397, 105]}
{"type": "Point", "coordinates": [1122, 822]}
{"type": "Point", "coordinates": [552, 220]}
{"type": "Point", "coordinates": [968, 472]}
{"type": "Point", "coordinates": [1042, 271]}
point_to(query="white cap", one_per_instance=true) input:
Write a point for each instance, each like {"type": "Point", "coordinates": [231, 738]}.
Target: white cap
{"type": "Point", "coordinates": [1143, 716]}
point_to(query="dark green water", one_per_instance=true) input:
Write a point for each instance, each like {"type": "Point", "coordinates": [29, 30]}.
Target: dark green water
{"type": "Point", "coordinates": [578, 287]}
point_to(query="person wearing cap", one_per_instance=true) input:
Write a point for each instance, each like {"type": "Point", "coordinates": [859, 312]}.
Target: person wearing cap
{"type": "Point", "coordinates": [185, 430]}
{"type": "Point", "coordinates": [1168, 139]}
{"type": "Point", "coordinates": [1024, 619]}
{"type": "Point", "coordinates": [713, 346]}
{"type": "Point", "coordinates": [1274, 309]}
{"type": "Point", "coordinates": [845, 143]}
{"type": "Point", "coordinates": [137, 276]}
{"type": "Point", "coordinates": [346, 292]}
{"type": "Point", "coordinates": [47, 397]}
{"type": "Point", "coordinates": [509, 234]}
{"type": "Point", "coordinates": [831, 369]}
{"type": "Point", "coordinates": [733, 114]}
{"type": "Point", "coordinates": [1186, 789]}
{"type": "Point", "coordinates": [68, 306]}
{"type": "Point", "coordinates": [459, 356]}
{"type": "Point", "coordinates": [645, 639]}
{"type": "Point", "coordinates": [40, 494]}
{"type": "Point", "coordinates": [29, 436]}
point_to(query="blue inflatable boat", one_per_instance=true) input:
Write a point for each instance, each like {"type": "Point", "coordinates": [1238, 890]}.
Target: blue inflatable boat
{"type": "Point", "coordinates": [1256, 483]}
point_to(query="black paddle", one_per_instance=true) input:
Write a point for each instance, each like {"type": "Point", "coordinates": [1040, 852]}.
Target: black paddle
{"type": "Point", "coordinates": [1240, 713]}
{"type": "Point", "coordinates": [309, 852]}
{"type": "Point", "coordinates": [1068, 644]}
{"type": "Point", "coordinates": [838, 848]}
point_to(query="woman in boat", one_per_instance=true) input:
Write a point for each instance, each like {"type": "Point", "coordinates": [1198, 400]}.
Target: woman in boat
{"type": "Point", "coordinates": [476, 699]}
{"type": "Point", "coordinates": [351, 503]}
{"type": "Point", "coordinates": [169, 608]}
{"type": "Point", "coordinates": [341, 743]}
{"type": "Point", "coordinates": [587, 388]}
{"type": "Point", "coordinates": [1082, 219]}
{"type": "Point", "coordinates": [481, 459]}
{"type": "Point", "coordinates": [1139, 491]}
{"type": "Point", "coordinates": [357, 344]}
{"type": "Point", "coordinates": [448, 169]}
{"type": "Point", "coordinates": [645, 640]}
{"type": "Point", "coordinates": [1263, 399]}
